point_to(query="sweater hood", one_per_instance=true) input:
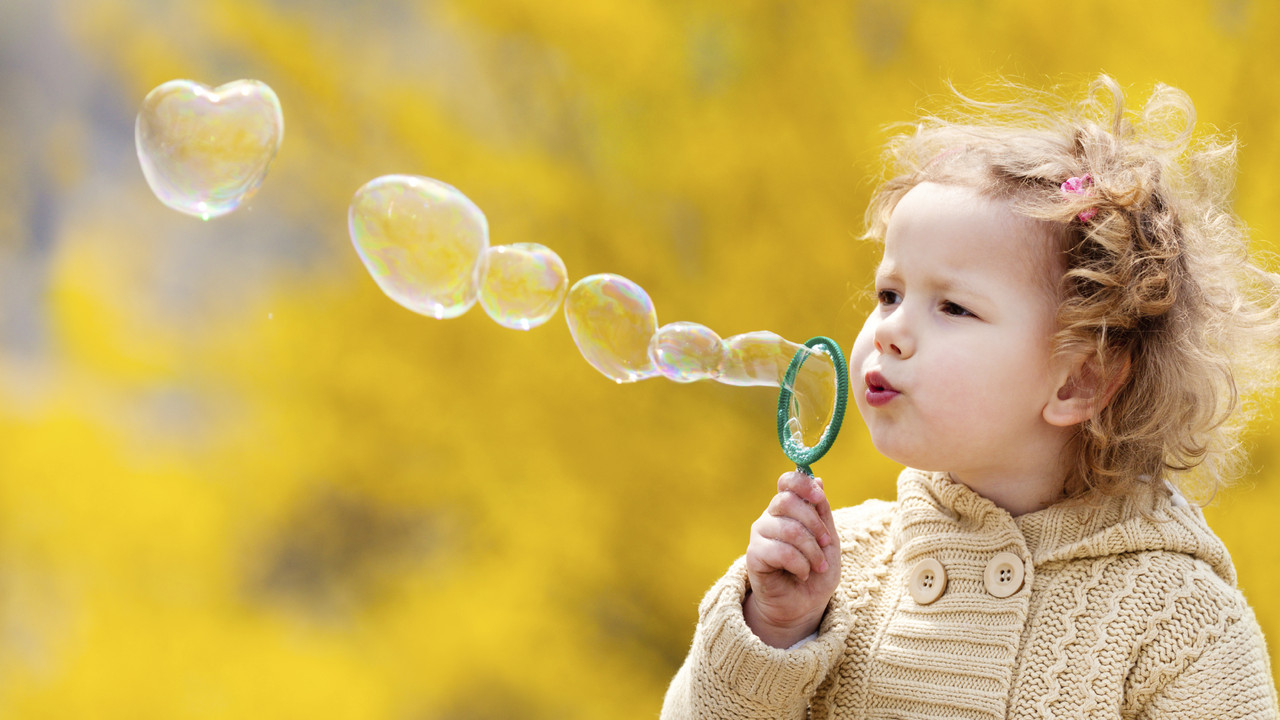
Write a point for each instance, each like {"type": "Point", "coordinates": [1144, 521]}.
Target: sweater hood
{"type": "Point", "coordinates": [933, 506]}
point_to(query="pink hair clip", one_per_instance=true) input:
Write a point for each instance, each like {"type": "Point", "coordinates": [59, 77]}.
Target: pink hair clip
{"type": "Point", "coordinates": [1080, 186]}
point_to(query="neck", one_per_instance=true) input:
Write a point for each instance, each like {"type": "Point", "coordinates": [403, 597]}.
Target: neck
{"type": "Point", "coordinates": [1018, 494]}
{"type": "Point", "coordinates": [1030, 478]}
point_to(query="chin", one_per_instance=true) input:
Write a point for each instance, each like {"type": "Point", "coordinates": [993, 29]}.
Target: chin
{"type": "Point", "coordinates": [906, 456]}
{"type": "Point", "coordinates": [914, 454]}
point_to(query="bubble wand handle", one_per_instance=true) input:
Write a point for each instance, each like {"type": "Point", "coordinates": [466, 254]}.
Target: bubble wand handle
{"type": "Point", "coordinates": [804, 457]}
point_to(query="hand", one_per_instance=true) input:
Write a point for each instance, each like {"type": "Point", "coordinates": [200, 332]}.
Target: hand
{"type": "Point", "coordinates": [793, 562]}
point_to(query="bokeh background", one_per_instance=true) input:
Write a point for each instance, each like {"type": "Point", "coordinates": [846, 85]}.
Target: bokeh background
{"type": "Point", "coordinates": [238, 481]}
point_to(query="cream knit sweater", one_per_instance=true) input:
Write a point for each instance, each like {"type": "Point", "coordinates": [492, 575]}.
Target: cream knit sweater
{"type": "Point", "coordinates": [1118, 615]}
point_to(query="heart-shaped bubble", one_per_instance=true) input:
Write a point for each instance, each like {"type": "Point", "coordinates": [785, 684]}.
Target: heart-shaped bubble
{"type": "Point", "coordinates": [421, 240]}
{"type": "Point", "coordinates": [686, 352]}
{"type": "Point", "coordinates": [203, 152]}
{"type": "Point", "coordinates": [522, 284]}
{"type": "Point", "coordinates": [612, 320]}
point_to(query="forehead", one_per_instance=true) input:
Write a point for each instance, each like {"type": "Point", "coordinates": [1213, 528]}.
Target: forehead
{"type": "Point", "coordinates": [954, 229]}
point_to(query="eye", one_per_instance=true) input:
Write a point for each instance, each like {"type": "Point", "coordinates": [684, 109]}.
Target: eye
{"type": "Point", "coordinates": [954, 310]}
{"type": "Point", "coordinates": [887, 297]}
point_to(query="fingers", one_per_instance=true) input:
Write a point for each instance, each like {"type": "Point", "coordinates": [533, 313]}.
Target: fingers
{"type": "Point", "coordinates": [791, 506]}
{"type": "Point", "coordinates": [826, 516]}
{"type": "Point", "coordinates": [780, 543]}
{"type": "Point", "coordinates": [806, 487]}
{"type": "Point", "coordinates": [791, 533]}
{"type": "Point", "coordinates": [809, 490]}
{"type": "Point", "coordinates": [764, 557]}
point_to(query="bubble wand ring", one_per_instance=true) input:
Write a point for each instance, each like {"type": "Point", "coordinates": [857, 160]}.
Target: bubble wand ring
{"type": "Point", "coordinates": [796, 451]}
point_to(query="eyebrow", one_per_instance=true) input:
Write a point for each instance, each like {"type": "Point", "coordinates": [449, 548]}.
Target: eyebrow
{"type": "Point", "coordinates": [944, 286]}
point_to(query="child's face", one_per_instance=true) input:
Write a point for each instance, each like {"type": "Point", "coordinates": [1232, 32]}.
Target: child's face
{"type": "Point", "coordinates": [953, 368]}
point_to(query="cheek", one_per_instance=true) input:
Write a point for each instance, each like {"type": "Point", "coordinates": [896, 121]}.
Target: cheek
{"type": "Point", "coordinates": [1027, 363]}
{"type": "Point", "coordinates": [991, 383]}
{"type": "Point", "coordinates": [965, 378]}
{"type": "Point", "coordinates": [858, 354]}
{"type": "Point", "coordinates": [862, 346]}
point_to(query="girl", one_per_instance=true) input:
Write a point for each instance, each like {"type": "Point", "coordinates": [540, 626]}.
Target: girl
{"type": "Point", "coordinates": [1065, 321]}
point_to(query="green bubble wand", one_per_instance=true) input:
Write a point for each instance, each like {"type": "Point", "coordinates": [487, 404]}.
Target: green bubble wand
{"type": "Point", "coordinates": [800, 454]}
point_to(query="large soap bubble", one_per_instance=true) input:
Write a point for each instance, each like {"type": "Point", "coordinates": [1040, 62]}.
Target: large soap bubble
{"type": "Point", "coordinates": [813, 398]}
{"type": "Point", "coordinates": [761, 358]}
{"type": "Point", "coordinates": [522, 285]}
{"type": "Point", "coordinates": [203, 152]}
{"type": "Point", "coordinates": [757, 358]}
{"type": "Point", "coordinates": [612, 320]}
{"type": "Point", "coordinates": [422, 242]}
{"type": "Point", "coordinates": [427, 247]}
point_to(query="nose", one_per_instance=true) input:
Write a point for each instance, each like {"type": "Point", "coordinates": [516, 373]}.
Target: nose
{"type": "Point", "coordinates": [892, 336]}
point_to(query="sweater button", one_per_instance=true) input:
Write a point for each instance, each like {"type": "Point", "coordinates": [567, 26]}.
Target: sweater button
{"type": "Point", "coordinates": [927, 581]}
{"type": "Point", "coordinates": [1004, 575]}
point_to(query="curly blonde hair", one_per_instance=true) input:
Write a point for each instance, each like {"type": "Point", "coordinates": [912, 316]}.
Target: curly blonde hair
{"type": "Point", "coordinates": [1158, 288]}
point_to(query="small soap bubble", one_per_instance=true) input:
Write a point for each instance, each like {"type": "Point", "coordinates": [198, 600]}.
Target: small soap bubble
{"type": "Point", "coordinates": [686, 352]}
{"type": "Point", "coordinates": [421, 240]}
{"type": "Point", "coordinates": [522, 284]}
{"type": "Point", "coordinates": [611, 320]}
{"type": "Point", "coordinates": [794, 430]}
{"type": "Point", "coordinates": [203, 151]}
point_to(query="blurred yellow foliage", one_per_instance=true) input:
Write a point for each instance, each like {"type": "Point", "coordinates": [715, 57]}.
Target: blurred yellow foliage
{"type": "Point", "coordinates": [240, 482]}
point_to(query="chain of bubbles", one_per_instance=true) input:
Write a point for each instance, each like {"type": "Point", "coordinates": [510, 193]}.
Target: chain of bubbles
{"type": "Point", "coordinates": [205, 151]}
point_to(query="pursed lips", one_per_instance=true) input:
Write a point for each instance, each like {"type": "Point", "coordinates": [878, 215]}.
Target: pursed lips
{"type": "Point", "coordinates": [879, 391]}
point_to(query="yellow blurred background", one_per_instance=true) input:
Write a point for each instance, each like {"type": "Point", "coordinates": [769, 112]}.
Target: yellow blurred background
{"type": "Point", "coordinates": [238, 481]}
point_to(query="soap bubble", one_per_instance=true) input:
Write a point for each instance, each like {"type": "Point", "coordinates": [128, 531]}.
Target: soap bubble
{"type": "Point", "coordinates": [762, 358]}
{"type": "Point", "coordinates": [522, 284]}
{"type": "Point", "coordinates": [203, 152]}
{"type": "Point", "coordinates": [611, 320]}
{"type": "Point", "coordinates": [422, 242]}
{"type": "Point", "coordinates": [813, 398]}
{"type": "Point", "coordinates": [686, 352]}
{"type": "Point", "coordinates": [757, 358]}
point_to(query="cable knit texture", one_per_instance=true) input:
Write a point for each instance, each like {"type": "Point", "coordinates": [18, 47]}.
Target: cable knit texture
{"type": "Point", "coordinates": [1120, 613]}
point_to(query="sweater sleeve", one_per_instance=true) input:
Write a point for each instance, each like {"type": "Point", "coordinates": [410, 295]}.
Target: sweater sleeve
{"type": "Point", "coordinates": [1230, 679]}
{"type": "Point", "coordinates": [731, 673]}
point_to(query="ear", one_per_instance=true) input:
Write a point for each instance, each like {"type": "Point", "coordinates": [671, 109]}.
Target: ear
{"type": "Point", "coordinates": [1084, 390]}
